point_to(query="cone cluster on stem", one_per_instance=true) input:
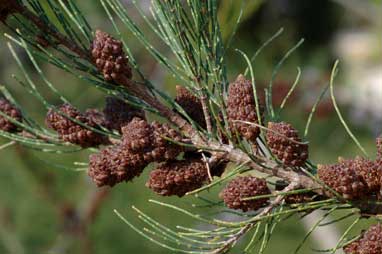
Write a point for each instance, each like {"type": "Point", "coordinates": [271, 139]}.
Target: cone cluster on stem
{"type": "Point", "coordinates": [73, 126]}
{"type": "Point", "coordinates": [109, 57]}
{"type": "Point", "coordinates": [178, 177]}
{"type": "Point", "coordinates": [13, 112]}
{"type": "Point", "coordinates": [241, 109]}
{"type": "Point", "coordinates": [285, 144]}
{"type": "Point", "coordinates": [352, 178]}
{"type": "Point", "coordinates": [245, 187]}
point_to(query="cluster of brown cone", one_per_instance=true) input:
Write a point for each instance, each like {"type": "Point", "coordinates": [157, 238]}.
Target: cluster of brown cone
{"type": "Point", "coordinates": [10, 110]}
{"type": "Point", "coordinates": [143, 143]}
{"type": "Point", "coordinates": [353, 179]}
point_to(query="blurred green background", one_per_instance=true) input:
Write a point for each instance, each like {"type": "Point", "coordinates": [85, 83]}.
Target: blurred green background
{"type": "Point", "coordinates": [47, 209]}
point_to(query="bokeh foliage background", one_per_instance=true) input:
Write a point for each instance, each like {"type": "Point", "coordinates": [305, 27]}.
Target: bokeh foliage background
{"type": "Point", "coordinates": [45, 208]}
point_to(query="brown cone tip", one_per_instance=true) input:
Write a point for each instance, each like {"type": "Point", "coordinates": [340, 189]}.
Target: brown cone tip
{"type": "Point", "coordinates": [118, 113]}
{"type": "Point", "coordinates": [370, 242]}
{"type": "Point", "coordinates": [285, 144]}
{"type": "Point", "coordinates": [191, 104]}
{"type": "Point", "coordinates": [244, 187]}
{"type": "Point", "coordinates": [109, 57]}
{"type": "Point", "coordinates": [176, 178]}
{"type": "Point", "coordinates": [343, 178]}
{"type": "Point", "coordinates": [114, 165]}
{"type": "Point", "coordinates": [72, 132]}
{"type": "Point", "coordinates": [241, 106]}
{"type": "Point", "coordinates": [10, 110]}
{"type": "Point", "coordinates": [137, 135]}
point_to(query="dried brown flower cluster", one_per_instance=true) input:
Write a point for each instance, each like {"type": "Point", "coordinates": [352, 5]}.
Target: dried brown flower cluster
{"type": "Point", "coordinates": [241, 106]}
{"type": "Point", "coordinates": [178, 177]}
{"type": "Point", "coordinates": [352, 178]}
{"type": "Point", "coordinates": [142, 144]}
{"type": "Point", "coordinates": [285, 144]}
{"type": "Point", "coordinates": [66, 121]}
{"type": "Point", "coordinates": [109, 57]}
{"type": "Point", "coordinates": [370, 242]}
{"type": "Point", "coordinates": [115, 164]}
{"type": "Point", "coordinates": [13, 112]}
{"type": "Point", "coordinates": [245, 187]}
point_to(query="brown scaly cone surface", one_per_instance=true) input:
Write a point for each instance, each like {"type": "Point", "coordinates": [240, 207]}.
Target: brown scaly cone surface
{"type": "Point", "coordinates": [352, 248]}
{"type": "Point", "coordinates": [114, 165]}
{"type": "Point", "coordinates": [379, 148]}
{"type": "Point", "coordinates": [343, 178]}
{"type": "Point", "coordinates": [118, 113]}
{"type": "Point", "coordinates": [142, 144]}
{"type": "Point", "coordinates": [367, 169]}
{"type": "Point", "coordinates": [241, 106]}
{"type": "Point", "coordinates": [96, 116]}
{"type": "Point", "coordinates": [178, 177]}
{"type": "Point", "coordinates": [10, 110]}
{"type": "Point", "coordinates": [163, 139]}
{"type": "Point", "coordinates": [109, 57]}
{"type": "Point", "coordinates": [369, 243]}
{"type": "Point", "coordinates": [191, 104]}
{"type": "Point", "coordinates": [285, 144]}
{"type": "Point", "coordinates": [72, 132]}
{"type": "Point", "coordinates": [244, 187]}
{"type": "Point", "coordinates": [137, 135]}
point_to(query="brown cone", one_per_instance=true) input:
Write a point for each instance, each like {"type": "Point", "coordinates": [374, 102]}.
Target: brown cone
{"type": "Point", "coordinates": [163, 147]}
{"type": "Point", "coordinates": [118, 113]}
{"type": "Point", "coordinates": [137, 135]}
{"type": "Point", "coordinates": [368, 170]}
{"type": "Point", "coordinates": [244, 187]}
{"type": "Point", "coordinates": [72, 132]}
{"type": "Point", "coordinates": [191, 104]}
{"type": "Point", "coordinates": [10, 110]}
{"type": "Point", "coordinates": [241, 106]}
{"type": "Point", "coordinates": [285, 144]}
{"type": "Point", "coordinates": [109, 57]}
{"type": "Point", "coordinates": [94, 115]}
{"type": "Point", "coordinates": [352, 248]}
{"type": "Point", "coordinates": [343, 179]}
{"type": "Point", "coordinates": [178, 177]}
{"type": "Point", "coordinates": [115, 164]}
{"type": "Point", "coordinates": [370, 242]}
